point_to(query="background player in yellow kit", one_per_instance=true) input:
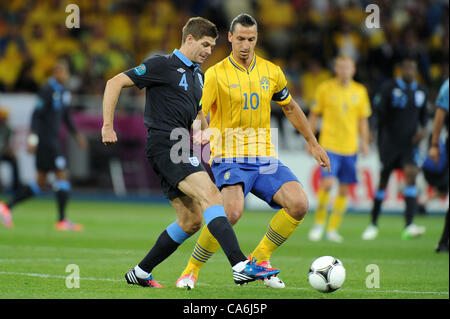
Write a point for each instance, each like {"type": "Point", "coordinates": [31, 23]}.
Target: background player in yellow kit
{"type": "Point", "coordinates": [344, 107]}
{"type": "Point", "coordinates": [237, 94]}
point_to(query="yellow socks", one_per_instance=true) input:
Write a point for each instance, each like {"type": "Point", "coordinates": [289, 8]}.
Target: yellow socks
{"type": "Point", "coordinates": [205, 247]}
{"type": "Point", "coordinates": [322, 207]}
{"type": "Point", "coordinates": [337, 215]}
{"type": "Point", "coordinates": [280, 228]}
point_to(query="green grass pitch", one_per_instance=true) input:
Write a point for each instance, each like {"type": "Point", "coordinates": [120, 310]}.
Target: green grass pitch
{"type": "Point", "coordinates": [34, 256]}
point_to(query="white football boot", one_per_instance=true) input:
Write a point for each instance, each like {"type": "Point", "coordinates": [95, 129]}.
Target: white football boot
{"type": "Point", "coordinates": [370, 233]}
{"type": "Point", "coordinates": [333, 236]}
{"type": "Point", "coordinates": [413, 231]}
{"type": "Point", "coordinates": [274, 281]}
{"type": "Point", "coordinates": [186, 281]}
{"type": "Point", "coordinates": [316, 232]}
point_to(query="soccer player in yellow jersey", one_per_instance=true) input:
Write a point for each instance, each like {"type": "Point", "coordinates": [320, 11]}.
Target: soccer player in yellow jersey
{"type": "Point", "coordinates": [237, 93]}
{"type": "Point", "coordinates": [344, 107]}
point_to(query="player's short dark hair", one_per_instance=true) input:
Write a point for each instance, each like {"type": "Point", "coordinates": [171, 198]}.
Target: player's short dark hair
{"type": "Point", "coordinates": [199, 27]}
{"type": "Point", "coordinates": [243, 19]}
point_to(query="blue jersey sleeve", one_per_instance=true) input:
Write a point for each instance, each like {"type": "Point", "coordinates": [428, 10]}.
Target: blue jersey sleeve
{"type": "Point", "coordinates": [442, 99]}
{"type": "Point", "coordinates": [152, 71]}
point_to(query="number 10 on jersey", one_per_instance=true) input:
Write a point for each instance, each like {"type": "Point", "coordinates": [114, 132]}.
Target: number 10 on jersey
{"type": "Point", "coordinates": [254, 101]}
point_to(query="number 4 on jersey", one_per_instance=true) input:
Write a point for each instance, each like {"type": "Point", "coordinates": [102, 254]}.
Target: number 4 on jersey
{"type": "Point", "coordinates": [183, 82]}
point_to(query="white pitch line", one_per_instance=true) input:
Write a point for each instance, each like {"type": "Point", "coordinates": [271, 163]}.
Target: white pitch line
{"type": "Point", "coordinates": [65, 259]}
{"type": "Point", "coordinates": [439, 293]}
{"type": "Point", "coordinates": [82, 249]}
{"type": "Point", "coordinates": [133, 252]}
{"type": "Point", "coordinates": [53, 276]}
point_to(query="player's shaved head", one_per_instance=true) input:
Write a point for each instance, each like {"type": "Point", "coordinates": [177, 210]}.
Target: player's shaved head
{"type": "Point", "coordinates": [243, 19]}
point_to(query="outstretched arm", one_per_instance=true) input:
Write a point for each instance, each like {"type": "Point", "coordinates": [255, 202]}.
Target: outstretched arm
{"type": "Point", "coordinates": [298, 119]}
{"type": "Point", "coordinates": [110, 97]}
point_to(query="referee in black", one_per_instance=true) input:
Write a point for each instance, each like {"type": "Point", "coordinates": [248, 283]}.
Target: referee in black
{"type": "Point", "coordinates": [174, 85]}
{"type": "Point", "coordinates": [401, 115]}
{"type": "Point", "coordinates": [51, 111]}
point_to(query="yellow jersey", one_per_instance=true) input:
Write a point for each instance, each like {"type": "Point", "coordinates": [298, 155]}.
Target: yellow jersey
{"type": "Point", "coordinates": [341, 109]}
{"type": "Point", "coordinates": [239, 103]}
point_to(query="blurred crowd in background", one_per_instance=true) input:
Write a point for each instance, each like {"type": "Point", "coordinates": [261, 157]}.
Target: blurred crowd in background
{"type": "Point", "coordinates": [302, 36]}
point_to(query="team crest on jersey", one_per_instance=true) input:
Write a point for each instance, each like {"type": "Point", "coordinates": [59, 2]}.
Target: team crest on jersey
{"type": "Point", "coordinates": [227, 176]}
{"type": "Point", "coordinates": [396, 92]}
{"type": "Point", "coordinates": [140, 69]}
{"type": "Point", "coordinates": [264, 83]}
{"type": "Point", "coordinates": [194, 161]}
{"type": "Point", "coordinates": [419, 98]}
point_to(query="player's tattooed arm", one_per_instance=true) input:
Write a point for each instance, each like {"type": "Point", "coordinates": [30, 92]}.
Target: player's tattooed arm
{"type": "Point", "coordinates": [298, 119]}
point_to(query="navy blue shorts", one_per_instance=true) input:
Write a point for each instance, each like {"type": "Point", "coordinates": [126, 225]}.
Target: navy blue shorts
{"type": "Point", "coordinates": [263, 177]}
{"type": "Point", "coordinates": [343, 167]}
{"type": "Point", "coordinates": [49, 159]}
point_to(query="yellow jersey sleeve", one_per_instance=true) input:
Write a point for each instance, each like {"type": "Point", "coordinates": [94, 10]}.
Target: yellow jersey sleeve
{"type": "Point", "coordinates": [209, 91]}
{"type": "Point", "coordinates": [281, 95]}
{"type": "Point", "coordinates": [364, 107]}
{"type": "Point", "coordinates": [319, 99]}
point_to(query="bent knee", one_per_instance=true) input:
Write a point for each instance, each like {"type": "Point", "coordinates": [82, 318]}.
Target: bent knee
{"type": "Point", "coordinates": [234, 209]}
{"type": "Point", "coordinates": [234, 216]}
{"type": "Point", "coordinates": [195, 227]}
{"type": "Point", "coordinates": [298, 208]}
{"type": "Point", "coordinates": [192, 225]}
{"type": "Point", "coordinates": [212, 196]}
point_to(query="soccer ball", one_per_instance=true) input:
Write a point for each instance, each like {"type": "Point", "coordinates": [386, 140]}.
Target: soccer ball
{"type": "Point", "coordinates": [326, 274]}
